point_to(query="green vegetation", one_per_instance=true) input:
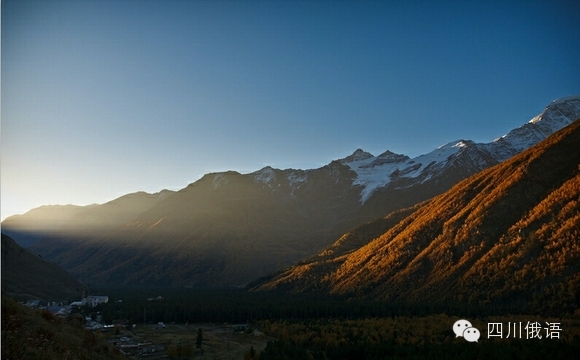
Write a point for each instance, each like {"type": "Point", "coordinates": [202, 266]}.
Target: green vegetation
{"type": "Point", "coordinates": [428, 337]}
{"type": "Point", "coordinates": [238, 306]}
{"type": "Point", "coordinates": [308, 326]}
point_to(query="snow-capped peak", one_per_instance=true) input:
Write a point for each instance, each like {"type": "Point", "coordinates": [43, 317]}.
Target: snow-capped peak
{"type": "Point", "coordinates": [461, 157]}
{"type": "Point", "coordinates": [463, 143]}
{"type": "Point", "coordinates": [373, 173]}
{"type": "Point", "coordinates": [558, 114]}
{"type": "Point", "coordinates": [265, 175]}
{"type": "Point", "coordinates": [566, 99]}
{"type": "Point", "coordinates": [376, 172]}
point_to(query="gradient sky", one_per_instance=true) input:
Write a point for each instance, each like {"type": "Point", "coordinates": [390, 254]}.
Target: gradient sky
{"type": "Point", "coordinates": [103, 98]}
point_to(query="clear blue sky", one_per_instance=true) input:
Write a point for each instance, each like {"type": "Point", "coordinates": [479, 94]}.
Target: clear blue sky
{"type": "Point", "coordinates": [102, 98]}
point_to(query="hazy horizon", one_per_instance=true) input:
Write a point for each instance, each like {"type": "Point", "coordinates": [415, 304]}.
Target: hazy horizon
{"type": "Point", "coordinates": [101, 99]}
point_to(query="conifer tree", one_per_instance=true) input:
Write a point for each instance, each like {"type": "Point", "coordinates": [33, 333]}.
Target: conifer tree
{"type": "Point", "coordinates": [199, 338]}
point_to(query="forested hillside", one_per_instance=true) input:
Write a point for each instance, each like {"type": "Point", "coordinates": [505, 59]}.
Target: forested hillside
{"type": "Point", "coordinates": [509, 234]}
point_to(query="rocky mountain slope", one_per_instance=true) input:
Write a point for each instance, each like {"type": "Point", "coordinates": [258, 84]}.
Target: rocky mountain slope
{"type": "Point", "coordinates": [507, 235]}
{"type": "Point", "coordinates": [227, 229]}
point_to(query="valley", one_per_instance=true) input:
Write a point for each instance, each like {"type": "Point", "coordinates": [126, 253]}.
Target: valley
{"type": "Point", "coordinates": [220, 342]}
{"type": "Point", "coordinates": [296, 326]}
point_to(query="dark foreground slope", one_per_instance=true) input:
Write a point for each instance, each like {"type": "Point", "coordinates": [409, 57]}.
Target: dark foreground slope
{"type": "Point", "coordinates": [35, 334]}
{"type": "Point", "coordinates": [510, 234]}
{"type": "Point", "coordinates": [26, 276]}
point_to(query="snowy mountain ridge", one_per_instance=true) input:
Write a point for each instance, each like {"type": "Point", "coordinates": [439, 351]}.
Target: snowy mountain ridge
{"type": "Point", "coordinates": [373, 173]}
{"type": "Point", "coordinates": [398, 171]}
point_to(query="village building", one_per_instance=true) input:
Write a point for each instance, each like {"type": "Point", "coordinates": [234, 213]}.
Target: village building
{"type": "Point", "coordinates": [95, 300]}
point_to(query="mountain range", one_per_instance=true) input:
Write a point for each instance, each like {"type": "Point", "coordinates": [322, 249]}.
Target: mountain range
{"type": "Point", "coordinates": [228, 229]}
{"type": "Point", "coordinates": [509, 235]}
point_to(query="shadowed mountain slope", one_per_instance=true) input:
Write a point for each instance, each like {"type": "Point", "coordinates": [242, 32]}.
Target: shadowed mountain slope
{"type": "Point", "coordinates": [510, 234]}
{"type": "Point", "coordinates": [222, 230]}
{"type": "Point", "coordinates": [26, 276]}
{"type": "Point", "coordinates": [31, 227]}
{"type": "Point", "coordinates": [78, 221]}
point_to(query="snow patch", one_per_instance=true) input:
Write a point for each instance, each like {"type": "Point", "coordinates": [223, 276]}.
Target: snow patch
{"type": "Point", "coordinates": [295, 180]}
{"type": "Point", "coordinates": [219, 180]}
{"type": "Point", "coordinates": [265, 175]}
{"type": "Point", "coordinates": [374, 172]}
{"type": "Point", "coordinates": [297, 177]}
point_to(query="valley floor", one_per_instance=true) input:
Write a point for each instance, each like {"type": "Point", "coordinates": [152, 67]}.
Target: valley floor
{"type": "Point", "coordinates": [220, 341]}
{"type": "Point", "coordinates": [281, 326]}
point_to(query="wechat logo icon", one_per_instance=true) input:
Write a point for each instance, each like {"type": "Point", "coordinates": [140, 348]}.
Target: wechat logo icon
{"type": "Point", "coordinates": [466, 330]}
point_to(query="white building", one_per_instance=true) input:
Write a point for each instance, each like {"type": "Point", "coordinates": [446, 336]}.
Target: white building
{"type": "Point", "coordinates": [95, 300]}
